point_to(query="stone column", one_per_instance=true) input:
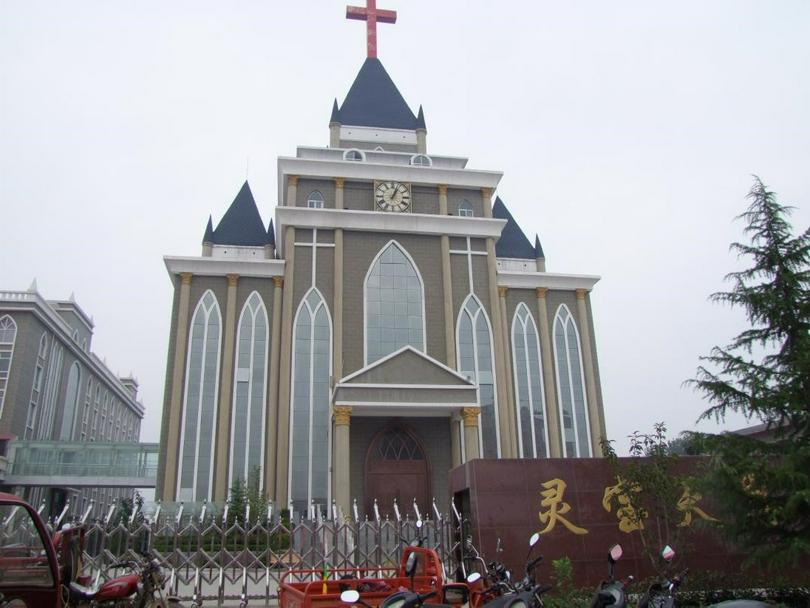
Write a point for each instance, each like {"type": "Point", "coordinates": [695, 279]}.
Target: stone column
{"type": "Point", "coordinates": [223, 435]}
{"type": "Point", "coordinates": [292, 190]}
{"type": "Point", "coordinates": [171, 463]}
{"type": "Point", "coordinates": [486, 196]}
{"type": "Point", "coordinates": [285, 358]}
{"type": "Point", "coordinates": [552, 412]}
{"type": "Point", "coordinates": [447, 287]}
{"type": "Point", "coordinates": [337, 306]}
{"type": "Point", "coordinates": [455, 441]}
{"type": "Point", "coordinates": [511, 412]}
{"type": "Point", "coordinates": [342, 466]}
{"type": "Point", "coordinates": [471, 441]}
{"type": "Point", "coordinates": [594, 417]}
{"type": "Point", "coordinates": [271, 440]}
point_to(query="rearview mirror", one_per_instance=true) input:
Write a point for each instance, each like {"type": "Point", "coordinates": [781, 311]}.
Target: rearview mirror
{"type": "Point", "coordinates": [418, 523]}
{"type": "Point", "coordinates": [350, 596]}
{"type": "Point", "coordinates": [535, 538]}
{"type": "Point", "coordinates": [456, 593]}
{"type": "Point", "coordinates": [615, 553]}
{"type": "Point", "coordinates": [473, 578]}
{"type": "Point", "coordinates": [668, 553]}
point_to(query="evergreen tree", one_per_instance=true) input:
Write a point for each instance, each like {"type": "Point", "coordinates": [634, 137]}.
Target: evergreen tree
{"type": "Point", "coordinates": [762, 489]}
{"type": "Point", "coordinates": [237, 500]}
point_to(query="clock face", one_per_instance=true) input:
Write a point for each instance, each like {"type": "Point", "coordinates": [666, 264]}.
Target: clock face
{"type": "Point", "coordinates": [392, 196]}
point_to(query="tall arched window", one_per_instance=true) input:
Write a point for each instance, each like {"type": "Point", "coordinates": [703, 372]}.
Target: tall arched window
{"type": "Point", "coordinates": [474, 343]}
{"type": "Point", "coordinates": [315, 200]}
{"type": "Point", "coordinates": [310, 427]}
{"type": "Point", "coordinates": [36, 387]}
{"type": "Point", "coordinates": [200, 403]}
{"type": "Point", "coordinates": [249, 392]}
{"type": "Point", "coordinates": [571, 385]}
{"type": "Point", "coordinates": [394, 304]}
{"type": "Point", "coordinates": [71, 402]}
{"type": "Point", "coordinates": [8, 334]}
{"type": "Point", "coordinates": [529, 398]}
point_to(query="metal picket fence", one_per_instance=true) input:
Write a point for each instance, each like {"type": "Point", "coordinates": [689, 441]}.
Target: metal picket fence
{"type": "Point", "coordinates": [212, 557]}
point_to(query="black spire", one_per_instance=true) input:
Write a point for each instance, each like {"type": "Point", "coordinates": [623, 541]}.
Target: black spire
{"type": "Point", "coordinates": [538, 248]}
{"type": "Point", "coordinates": [374, 101]}
{"type": "Point", "coordinates": [335, 112]}
{"type": "Point", "coordinates": [513, 242]}
{"type": "Point", "coordinates": [271, 234]}
{"type": "Point", "coordinates": [241, 224]}
{"type": "Point", "coordinates": [208, 237]}
{"type": "Point", "coordinates": [420, 119]}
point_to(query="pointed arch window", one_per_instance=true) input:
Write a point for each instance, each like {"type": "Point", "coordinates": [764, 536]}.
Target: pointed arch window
{"type": "Point", "coordinates": [200, 403]}
{"type": "Point", "coordinates": [465, 209]}
{"type": "Point", "coordinates": [310, 427]}
{"type": "Point", "coordinates": [250, 391]}
{"type": "Point", "coordinates": [315, 200]}
{"type": "Point", "coordinates": [8, 335]}
{"type": "Point", "coordinates": [394, 304]}
{"type": "Point", "coordinates": [529, 397]}
{"type": "Point", "coordinates": [36, 387]}
{"type": "Point", "coordinates": [71, 402]}
{"type": "Point", "coordinates": [474, 344]}
{"type": "Point", "coordinates": [571, 385]}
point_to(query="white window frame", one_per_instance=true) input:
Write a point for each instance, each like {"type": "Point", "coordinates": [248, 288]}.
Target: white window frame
{"type": "Point", "coordinates": [350, 152]}
{"type": "Point", "coordinates": [523, 327]}
{"type": "Point", "coordinates": [465, 209]}
{"type": "Point", "coordinates": [313, 202]}
{"type": "Point", "coordinates": [418, 157]}
{"type": "Point", "coordinates": [10, 358]}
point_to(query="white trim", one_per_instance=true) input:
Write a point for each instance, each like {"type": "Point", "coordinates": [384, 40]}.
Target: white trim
{"type": "Point", "coordinates": [410, 386]}
{"type": "Point", "coordinates": [383, 249]}
{"type": "Point", "coordinates": [527, 370]}
{"type": "Point", "coordinates": [214, 267]}
{"type": "Point", "coordinates": [571, 383]}
{"type": "Point", "coordinates": [421, 155]}
{"type": "Point", "coordinates": [10, 360]}
{"type": "Point", "coordinates": [354, 160]}
{"type": "Point", "coordinates": [183, 411]}
{"type": "Point", "coordinates": [430, 405]}
{"type": "Point", "coordinates": [298, 244]}
{"type": "Point", "coordinates": [425, 356]}
{"type": "Point", "coordinates": [531, 280]}
{"type": "Point", "coordinates": [254, 315]}
{"type": "Point", "coordinates": [472, 318]}
{"type": "Point", "coordinates": [462, 252]}
{"type": "Point", "coordinates": [377, 134]}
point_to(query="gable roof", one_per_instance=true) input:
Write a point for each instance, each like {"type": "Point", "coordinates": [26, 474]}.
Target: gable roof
{"type": "Point", "coordinates": [241, 224]}
{"type": "Point", "coordinates": [513, 242]}
{"type": "Point", "coordinates": [374, 101]}
{"type": "Point", "coordinates": [407, 366]}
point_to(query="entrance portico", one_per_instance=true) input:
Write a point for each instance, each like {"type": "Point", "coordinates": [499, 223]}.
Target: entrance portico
{"type": "Point", "coordinates": [409, 409]}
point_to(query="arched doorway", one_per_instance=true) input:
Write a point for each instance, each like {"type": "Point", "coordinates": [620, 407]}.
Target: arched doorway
{"type": "Point", "coordinates": [396, 468]}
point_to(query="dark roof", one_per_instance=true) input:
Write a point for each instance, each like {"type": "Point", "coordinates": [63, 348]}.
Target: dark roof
{"type": "Point", "coordinates": [374, 101]}
{"type": "Point", "coordinates": [420, 119]}
{"type": "Point", "coordinates": [538, 248]}
{"type": "Point", "coordinates": [208, 237]}
{"type": "Point", "coordinates": [271, 234]}
{"type": "Point", "coordinates": [513, 243]}
{"type": "Point", "coordinates": [241, 224]}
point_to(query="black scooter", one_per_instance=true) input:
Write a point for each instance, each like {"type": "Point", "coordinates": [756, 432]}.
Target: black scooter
{"type": "Point", "coordinates": [612, 592]}
{"type": "Point", "coordinates": [662, 594]}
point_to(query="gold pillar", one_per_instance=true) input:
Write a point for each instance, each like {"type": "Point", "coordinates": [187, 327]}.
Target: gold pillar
{"type": "Point", "coordinates": [471, 440]}
{"type": "Point", "coordinates": [285, 357]}
{"type": "Point", "coordinates": [337, 307]}
{"type": "Point", "coordinates": [292, 190]}
{"type": "Point", "coordinates": [594, 418]}
{"type": "Point", "coordinates": [171, 464]}
{"type": "Point", "coordinates": [552, 413]}
{"type": "Point", "coordinates": [447, 287]}
{"type": "Point", "coordinates": [270, 441]}
{"type": "Point", "coordinates": [342, 465]}
{"type": "Point", "coordinates": [223, 435]}
{"type": "Point", "coordinates": [511, 410]}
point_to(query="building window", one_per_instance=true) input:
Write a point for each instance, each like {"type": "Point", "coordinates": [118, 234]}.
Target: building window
{"type": "Point", "coordinates": [250, 390]}
{"type": "Point", "coordinates": [310, 425]}
{"type": "Point", "coordinates": [200, 403]}
{"type": "Point", "coordinates": [474, 344]}
{"type": "Point", "coordinates": [465, 209]}
{"type": "Point", "coordinates": [86, 413]}
{"type": "Point", "coordinates": [315, 200]}
{"type": "Point", "coordinates": [420, 160]}
{"type": "Point", "coordinates": [394, 304]}
{"type": "Point", "coordinates": [529, 397]}
{"type": "Point", "coordinates": [354, 154]}
{"type": "Point", "coordinates": [571, 385]}
{"type": "Point", "coordinates": [8, 334]}
{"type": "Point", "coordinates": [71, 402]}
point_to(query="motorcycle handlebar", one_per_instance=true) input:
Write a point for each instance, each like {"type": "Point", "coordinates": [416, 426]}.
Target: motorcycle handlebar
{"type": "Point", "coordinates": [424, 596]}
{"type": "Point", "coordinates": [533, 563]}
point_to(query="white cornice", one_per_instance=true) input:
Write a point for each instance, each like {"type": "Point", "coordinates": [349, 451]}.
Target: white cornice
{"type": "Point", "coordinates": [532, 280]}
{"type": "Point", "coordinates": [367, 171]}
{"type": "Point", "coordinates": [222, 266]}
{"type": "Point", "coordinates": [380, 221]}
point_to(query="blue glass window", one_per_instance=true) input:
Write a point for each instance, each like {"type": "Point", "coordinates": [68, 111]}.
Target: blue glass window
{"type": "Point", "coordinates": [529, 398]}
{"type": "Point", "coordinates": [571, 385]}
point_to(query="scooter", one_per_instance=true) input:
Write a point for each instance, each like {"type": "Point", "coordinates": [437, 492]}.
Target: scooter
{"type": "Point", "coordinates": [612, 592]}
{"type": "Point", "coordinates": [662, 595]}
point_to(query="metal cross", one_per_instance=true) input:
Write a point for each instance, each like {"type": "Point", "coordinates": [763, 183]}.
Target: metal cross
{"type": "Point", "coordinates": [371, 15]}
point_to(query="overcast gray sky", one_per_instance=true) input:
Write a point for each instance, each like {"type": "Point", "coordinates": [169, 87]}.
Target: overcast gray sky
{"type": "Point", "coordinates": [627, 132]}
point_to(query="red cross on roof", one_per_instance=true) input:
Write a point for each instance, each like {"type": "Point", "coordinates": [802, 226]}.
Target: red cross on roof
{"type": "Point", "coordinates": [371, 15]}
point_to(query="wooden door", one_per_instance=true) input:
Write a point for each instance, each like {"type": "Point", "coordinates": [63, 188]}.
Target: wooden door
{"type": "Point", "coordinates": [396, 468]}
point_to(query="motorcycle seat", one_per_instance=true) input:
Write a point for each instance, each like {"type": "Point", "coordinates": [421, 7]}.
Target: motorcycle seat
{"type": "Point", "coordinates": [82, 593]}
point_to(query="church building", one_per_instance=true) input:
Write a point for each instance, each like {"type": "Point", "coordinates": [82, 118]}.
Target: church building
{"type": "Point", "coordinates": [390, 323]}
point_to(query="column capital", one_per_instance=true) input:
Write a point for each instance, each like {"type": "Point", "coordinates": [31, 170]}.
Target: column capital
{"type": "Point", "coordinates": [339, 181]}
{"type": "Point", "coordinates": [470, 415]}
{"type": "Point", "coordinates": [581, 294]}
{"type": "Point", "coordinates": [233, 279]}
{"type": "Point", "coordinates": [278, 281]}
{"type": "Point", "coordinates": [442, 189]}
{"type": "Point", "coordinates": [342, 415]}
{"type": "Point", "coordinates": [502, 291]}
{"type": "Point", "coordinates": [541, 292]}
{"type": "Point", "coordinates": [292, 180]}
{"type": "Point", "coordinates": [185, 278]}
{"type": "Point", "coordinates": [486, 193]}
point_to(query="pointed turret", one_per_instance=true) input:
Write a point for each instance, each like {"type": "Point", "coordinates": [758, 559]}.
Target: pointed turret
{"type": "Point", "coordinates": [421, 132]}
{"type": "Point", "coordinates": [334, 126]}
{"type": "Point", "coordinates": [208, 238]}
{"type": "Point", "coordinates": [513, 242]}
{"type": "Point", "coordinates": [334, 118]}
{"type": "Point", "coordinates": [539, 255]}
{"type": "Point", "coordinates": [420, 119]}
{"type": "Point", "coordinates": [270, 244]}
{"type": "Point", "coordinates": [241, 225]}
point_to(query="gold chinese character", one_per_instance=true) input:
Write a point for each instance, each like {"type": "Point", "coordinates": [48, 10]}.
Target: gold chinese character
{"type": "Point", "coordinates": [556, 507]}
{"type": "Point", "coordinates": [687, 504]}
{"type": "Point", "coordinates": [629, 518]}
